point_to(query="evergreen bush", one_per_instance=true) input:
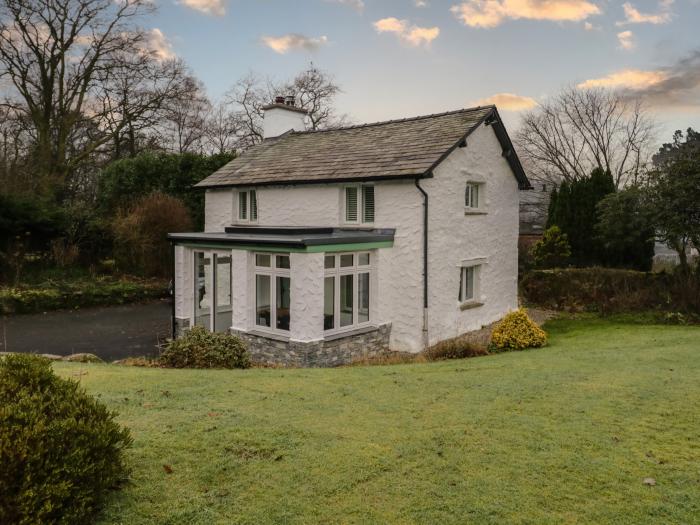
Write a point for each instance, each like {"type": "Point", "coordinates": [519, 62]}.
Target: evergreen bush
{"type": "Point", "coordinates": [200, 348]}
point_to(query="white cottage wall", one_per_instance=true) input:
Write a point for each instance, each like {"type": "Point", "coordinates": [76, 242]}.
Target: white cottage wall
{"type": "Point", "coordinates": [455, 236]}
{"type": "Point", "coordinates": [218, 210]}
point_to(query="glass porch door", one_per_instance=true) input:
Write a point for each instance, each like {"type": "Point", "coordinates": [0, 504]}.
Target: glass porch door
{"type": "Point", "coordinates": [213, 298]}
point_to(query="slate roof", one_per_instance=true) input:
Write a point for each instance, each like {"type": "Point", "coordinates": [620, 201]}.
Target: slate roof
{"type": "Point", "coordinates": [395, 149]}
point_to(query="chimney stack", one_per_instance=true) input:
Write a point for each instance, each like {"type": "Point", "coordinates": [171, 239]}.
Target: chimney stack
{"type": "Point", "coordinates": [282, 116]}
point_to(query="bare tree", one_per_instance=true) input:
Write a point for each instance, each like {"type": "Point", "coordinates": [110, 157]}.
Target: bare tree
{"type": "Point", "coordinates": [314, 90]}
{"type": "Point", "coordinates": [61, 58]}
{"type": "Point", "coordinates": [572, 133]}
{"type": "Point", "coordinates": [184, 117]}
{"type": "Point", "coordinates": [222, 129]}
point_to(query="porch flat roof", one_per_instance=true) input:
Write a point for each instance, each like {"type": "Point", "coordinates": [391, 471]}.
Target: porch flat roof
{"type": "Point", "coordinates": [288, 238]}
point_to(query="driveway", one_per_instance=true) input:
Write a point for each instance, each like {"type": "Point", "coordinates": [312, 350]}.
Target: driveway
{"type": "Point", "coordinates": [112, 333]}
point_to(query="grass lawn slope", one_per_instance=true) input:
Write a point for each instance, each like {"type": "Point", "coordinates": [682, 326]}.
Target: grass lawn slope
{"type": "Point", "coordinates": [563, 434]}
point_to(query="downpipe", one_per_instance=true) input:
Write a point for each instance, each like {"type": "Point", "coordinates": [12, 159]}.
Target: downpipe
{"type": "Point", "coordinates": [426, 338]}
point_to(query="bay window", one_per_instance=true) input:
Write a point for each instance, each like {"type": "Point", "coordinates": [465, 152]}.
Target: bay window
{"type": "Point", "coordinates": [347, 290]}
{"type": "Point", "coordinates": [272, 291]}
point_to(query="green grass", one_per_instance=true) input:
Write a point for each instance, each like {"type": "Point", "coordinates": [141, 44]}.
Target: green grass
{"type": "Point", "coordinates": [563, 434]}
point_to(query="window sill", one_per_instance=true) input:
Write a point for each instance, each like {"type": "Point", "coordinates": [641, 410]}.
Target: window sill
{"type": "Point", "coordinates": [468, 211]}
{"type": "Point", "coordinates": [270, 335]}
{"type": "Point", "coordinates": [469, 305]}
{"type": "Point", "coordinates": [348, 333]}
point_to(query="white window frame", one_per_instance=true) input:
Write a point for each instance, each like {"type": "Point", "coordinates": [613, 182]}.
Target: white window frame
{"type": "Point", "coordinates": [469, 204]}
{"type": "Point", "coordinates": [355, 270]}
{"type": "Point", "coordinates": [249, 195]}
{"type": "Point", "coordinates": [476, 266]}
{"type": "Point", "coordinates": [273, 272]}
{"type": "Point", "coordinates": [360, 203]}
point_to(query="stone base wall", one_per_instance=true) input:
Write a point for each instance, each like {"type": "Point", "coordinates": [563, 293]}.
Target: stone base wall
{"type": "Point", "coordinates": [334, 351]}
{"type": "Point", "coordinates": [182, 324]}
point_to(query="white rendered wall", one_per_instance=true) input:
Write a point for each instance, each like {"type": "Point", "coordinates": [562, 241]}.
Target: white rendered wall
{"type": "Point", "coordinates": [306, 296]}
{"type": "Point", "coordinates": [218, 210]}
{"type": "Point", "coordinates": [279, 120]}
{"type": "Point", "coordinates": [241, 267]}
{"type": "Point", "coordinates": [454, 236]}
{"type": "Point", "coordinates": [184, 286]}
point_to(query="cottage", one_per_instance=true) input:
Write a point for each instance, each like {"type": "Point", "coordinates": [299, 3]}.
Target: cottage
{"type": "Point", "coordinates": [323, 246]}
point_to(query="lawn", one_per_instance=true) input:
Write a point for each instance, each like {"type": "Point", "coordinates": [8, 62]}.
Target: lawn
{"type": "Point", "coordinates": [563, 434]}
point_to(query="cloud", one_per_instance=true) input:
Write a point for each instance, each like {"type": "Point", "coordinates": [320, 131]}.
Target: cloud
{"type": "Point", "coordinates": [421, 3]}
{"type": "Point", "coordinates": [157, 44]}
{"type": "Point", "coordinates": [626, 39]}
{"type": "Point", "coordinates": [357, 5]}
{"type": "Point", "coordinates": [590, 27]}
{"type": "Point", "coordinates": [635, 79]}
{"type": "Point", "coordinates": [410, 34]}
{"type": "Point", "coordinates": [293, 42]}
{"type": "Point", "coordinates": [208, 7]}
{"type": "Point", "coordinates": [508, 102]}
{"type": "Point", "coordinates": [633, 16]}
{"type": "Point", "coordinates": [676, 85]}
{"type": "Point", "coordinates": [490, 13]}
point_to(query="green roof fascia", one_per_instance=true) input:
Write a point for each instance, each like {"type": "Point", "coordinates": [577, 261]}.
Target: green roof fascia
{"type": "Point", "coordinates": [321, 248]}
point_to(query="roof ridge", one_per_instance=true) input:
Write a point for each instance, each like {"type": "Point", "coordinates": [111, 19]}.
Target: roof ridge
{"type": "Point", "coordinates": [394, 121]}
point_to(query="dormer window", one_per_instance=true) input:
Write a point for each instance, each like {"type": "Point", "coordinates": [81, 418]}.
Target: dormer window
{"type": "Point", "coordinates": [359, 204]}
{"type": "Point", "coordinates": [247, 206]}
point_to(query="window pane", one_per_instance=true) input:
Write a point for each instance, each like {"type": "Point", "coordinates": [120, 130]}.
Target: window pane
{"type": "Point", "coordinates": [346, 260]}
{"type": "Point", "coordinates": [469, 295]}
{"type": "Point", "coordinates": [222, 319]}
{"type": "Point", "coordinates": [329, 261]}
{"type": "Point", "coordinates": [346, 300]}
{"type": "Point", "coordinates": [363, 298]}
{"type": "Point", "coordinates": [351, 204]}
{"type": "Point", "coordinates": [283, 261]}
{"type": "Point", "coordinates": [283, 302]}
{"type": "Point", "coordinates": [243, 205]}
{"type": "Point", "coordinates": [468, 196]}
{"type": "Point", "coordinates": [262, 260]}
{"type": "Point", "coordinates": [475, 196]}
{"type": "Point", "coordinates": [262, 300]}
{"type": "Point", "coordinates": [367, 203]}
{"type": "Point", "coordinates": [363, 259]}
{"type": "Point", "coordinates": [461, 284]}
{"type": "Point", "coordinates": [253, 206]}
{"type": "Point", "coordinates": [329, 303]}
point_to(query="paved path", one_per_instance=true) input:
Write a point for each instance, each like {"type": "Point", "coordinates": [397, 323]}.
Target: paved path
{"type": "Point", "coordinates": [111, 333]}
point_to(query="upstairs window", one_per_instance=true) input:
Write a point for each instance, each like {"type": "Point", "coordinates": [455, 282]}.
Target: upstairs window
{"type": "Point", "coordinates": [359, 204]}
{"type": "Point", "coordinates": [471, 196]}
{"type": "Point", "coordinates": [247, 206]}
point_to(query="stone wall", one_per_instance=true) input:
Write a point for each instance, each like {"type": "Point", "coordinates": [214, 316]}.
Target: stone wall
{"type": "Point", "coordinates": [332, 351]}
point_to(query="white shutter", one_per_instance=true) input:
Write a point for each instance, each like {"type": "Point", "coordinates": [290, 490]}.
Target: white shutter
{"type": "Point", "coordinates": [351, 204]}
{"type": "Point", "coordinates": [253, 206]}
{"type": "Point", "coordinates": [367, 203]}
{"type": "Point", "coordinates": [243, 205]}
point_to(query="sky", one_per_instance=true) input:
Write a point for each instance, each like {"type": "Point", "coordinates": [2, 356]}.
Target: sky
{"type": "Point", "coordinates": [402, 58]}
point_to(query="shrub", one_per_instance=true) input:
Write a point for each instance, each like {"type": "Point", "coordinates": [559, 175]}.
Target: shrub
{"type": "Point", "coordinates": [200, 348]}
{"type": "Point", "coordinates": [457, 348]}
{"type": "Point", "coordinates": [516, 331]}
{"type": "Point", "coordinates": [141, 234]}
{"type": "Point", "coordinates": [60, 449]}
{"type": "Point", "coordinates": [553, 250]}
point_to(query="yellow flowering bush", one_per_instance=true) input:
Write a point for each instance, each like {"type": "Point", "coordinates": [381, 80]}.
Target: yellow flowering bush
{"type": "Point", "coordinates": [516, 331]}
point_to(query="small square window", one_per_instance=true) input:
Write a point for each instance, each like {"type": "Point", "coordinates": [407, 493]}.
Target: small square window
{"type": "Point", "coordinates": [329, 261]}
{"type": "Point", "coordinates": [262, 260]}
{"type": "Point", "coordinates": [346, 260]}
{"type": "Point", "coordinates": [363, 259]}
{"type": "Point", "coordinates": [282, 261]}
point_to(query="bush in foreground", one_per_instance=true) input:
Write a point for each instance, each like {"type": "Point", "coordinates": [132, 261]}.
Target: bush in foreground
{"type": "Point", "coordinates": [200, 348]}
{"type": "Point", "coordinates": [454, 349]}
{"type": "Point", "coordinates": [60, 449]}
{"type": "Point", "coordinates": [516, 331]}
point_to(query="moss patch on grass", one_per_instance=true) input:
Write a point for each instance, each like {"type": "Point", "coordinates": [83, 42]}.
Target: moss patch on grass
{"type": "Point", "coordinates": [564, 434]}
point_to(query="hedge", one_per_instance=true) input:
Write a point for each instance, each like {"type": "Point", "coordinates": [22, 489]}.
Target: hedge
{"type": "Point", "coordinates": [607, 290]}
{"type": "Point", "coordinates": [100, 291]}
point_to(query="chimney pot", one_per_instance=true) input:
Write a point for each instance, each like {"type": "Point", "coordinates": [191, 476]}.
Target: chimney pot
{"type": "Point", "coordinates": [289, 100]}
